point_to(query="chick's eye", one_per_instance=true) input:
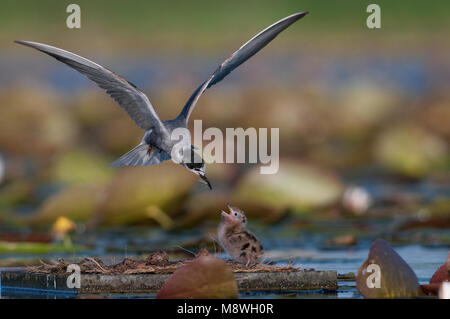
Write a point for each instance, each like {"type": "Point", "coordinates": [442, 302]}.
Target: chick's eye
{"type": "Point", "coordinates": [235, 214]}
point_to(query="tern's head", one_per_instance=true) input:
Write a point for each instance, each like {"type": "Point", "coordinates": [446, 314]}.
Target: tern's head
{"type": "Point", "coordinates": [236, 216]}
{"type": "Point", "coordinates": [197, 166]}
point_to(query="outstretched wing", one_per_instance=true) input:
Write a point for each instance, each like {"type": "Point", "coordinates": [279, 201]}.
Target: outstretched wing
{"type": "Point", "coordinates": [133, 101]}
{"type": "Point", "coordinates": [244, 53]}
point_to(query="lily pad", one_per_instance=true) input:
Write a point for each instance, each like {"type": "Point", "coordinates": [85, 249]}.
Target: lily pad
{"type": "Point", "coordinates": [362, 106]}
{"type": "Point", "coordinates": [136, 193]}
{"type": "Point", "coordinates": [410, 150]}
{"type": "Point", "coordinates": [297, 186]}
{"type": "Point", "coordinates": [82, 167]}
{"type": "Point", "coordinates": [396, 278]}
{"type": "Point", "coordinates": [441, 275]}
{"type": "Point", "coordinates": [205, 277]}
{"type": "Point", "coordinates": [77, 203]}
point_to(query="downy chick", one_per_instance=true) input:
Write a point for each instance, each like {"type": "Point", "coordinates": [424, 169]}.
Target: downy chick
{"type": "Point", "coordinates": [236, 240]}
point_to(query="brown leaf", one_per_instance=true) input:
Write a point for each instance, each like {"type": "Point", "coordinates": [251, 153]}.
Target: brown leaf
{"type": "Point", "coordinates": [397, 278]}
{"type": "Point", "coordinates": [442, 274]}
{"type": "Point", "coordinates": [204, 277]}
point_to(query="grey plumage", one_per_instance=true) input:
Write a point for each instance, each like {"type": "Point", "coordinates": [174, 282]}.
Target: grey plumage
{"type": "Point", "coordinates": [141, 156]}
{"type": "Point", "coordinates": [133, 101]}
{"type": "Point", "coordinates": [156, 145]}
{"type": "Point", "coordinates": [245, 52]}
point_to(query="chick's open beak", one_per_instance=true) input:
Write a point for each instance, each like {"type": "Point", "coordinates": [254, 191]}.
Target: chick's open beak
{"type": "Point", "coordinates": [226, 216]}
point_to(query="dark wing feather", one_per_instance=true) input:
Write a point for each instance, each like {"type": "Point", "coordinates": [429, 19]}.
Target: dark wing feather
{"type": "Point", "coordinates": [133, 101]}
{"type": "Point", "coordinates": [244, 53]}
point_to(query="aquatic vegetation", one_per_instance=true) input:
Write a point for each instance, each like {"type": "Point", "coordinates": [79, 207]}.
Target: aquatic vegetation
{"type": "Point", "coordinates": [81, 168]}
{"type": "Point", "coordinates": [410, 150]}
{"type": "Point", "coordinates": [37, 248]}
{"type": "Point", "coordinates": [362, 107]}
{"type": "Point", "coordinates": [371, 111]}
{"type": "Point", "coordinates": [78, 203]}
{"type": "Point", "coordinates": [441, 275]}
{"type": "Point", "coordinates": [205, 277]}
{"type": "Point", "coordinates": [297, 186]}
{"type": "Point", "coordinates": [134, 190]}
{"type": "Point", "coordinates": [385, 274]}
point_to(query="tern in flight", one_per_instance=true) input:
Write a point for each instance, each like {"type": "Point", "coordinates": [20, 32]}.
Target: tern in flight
{"type": "Point", "coordinates": [157, 143]}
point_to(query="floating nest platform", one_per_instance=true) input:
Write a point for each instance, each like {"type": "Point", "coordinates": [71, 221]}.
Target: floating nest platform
{"type": "Point", "coordinates": [149, 275]}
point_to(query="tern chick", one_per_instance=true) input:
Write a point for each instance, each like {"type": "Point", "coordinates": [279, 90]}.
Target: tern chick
{"type": "Point", "coordinates": [236, 240]}
{"type": "Point", "coordinates": [157, 143]}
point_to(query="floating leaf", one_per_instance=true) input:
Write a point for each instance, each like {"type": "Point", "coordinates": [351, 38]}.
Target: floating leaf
{"type": "Point", "coordinates": [441, 275]}
{"type": "Point", "coordinates": [397, 279]}
{"type": "Point", "coordinates": [362, 105]}
{"type": "Point", "coordinates": [205, 277]}
{"type": "Point", "coordinates": [134, 189]}
{"type": "Point", "coordinates": [410, 150]}
{"type": "Point", "coordinates": [77, 203]}
{"type": "Point", "coordinates": [80, 168]}
{"type": "Point", "coordinates": [299, 186]}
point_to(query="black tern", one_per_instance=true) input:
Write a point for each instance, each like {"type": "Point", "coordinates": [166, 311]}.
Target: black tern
{"type": "Point", "coordinates": [157, 143]}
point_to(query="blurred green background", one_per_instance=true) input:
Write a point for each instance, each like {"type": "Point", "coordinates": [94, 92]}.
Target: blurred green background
{"type": "Point", "coordinates": [213, 25]}
{"type": "Point", "coordinates": [364, 117]}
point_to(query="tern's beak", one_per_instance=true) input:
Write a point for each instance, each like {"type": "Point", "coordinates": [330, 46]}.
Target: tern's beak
{"type": "Point", "coordinates": [205, 179]}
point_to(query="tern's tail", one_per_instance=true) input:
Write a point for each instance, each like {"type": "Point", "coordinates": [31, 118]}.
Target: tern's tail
{"type": "Point", "coordinates": [142, 155]}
